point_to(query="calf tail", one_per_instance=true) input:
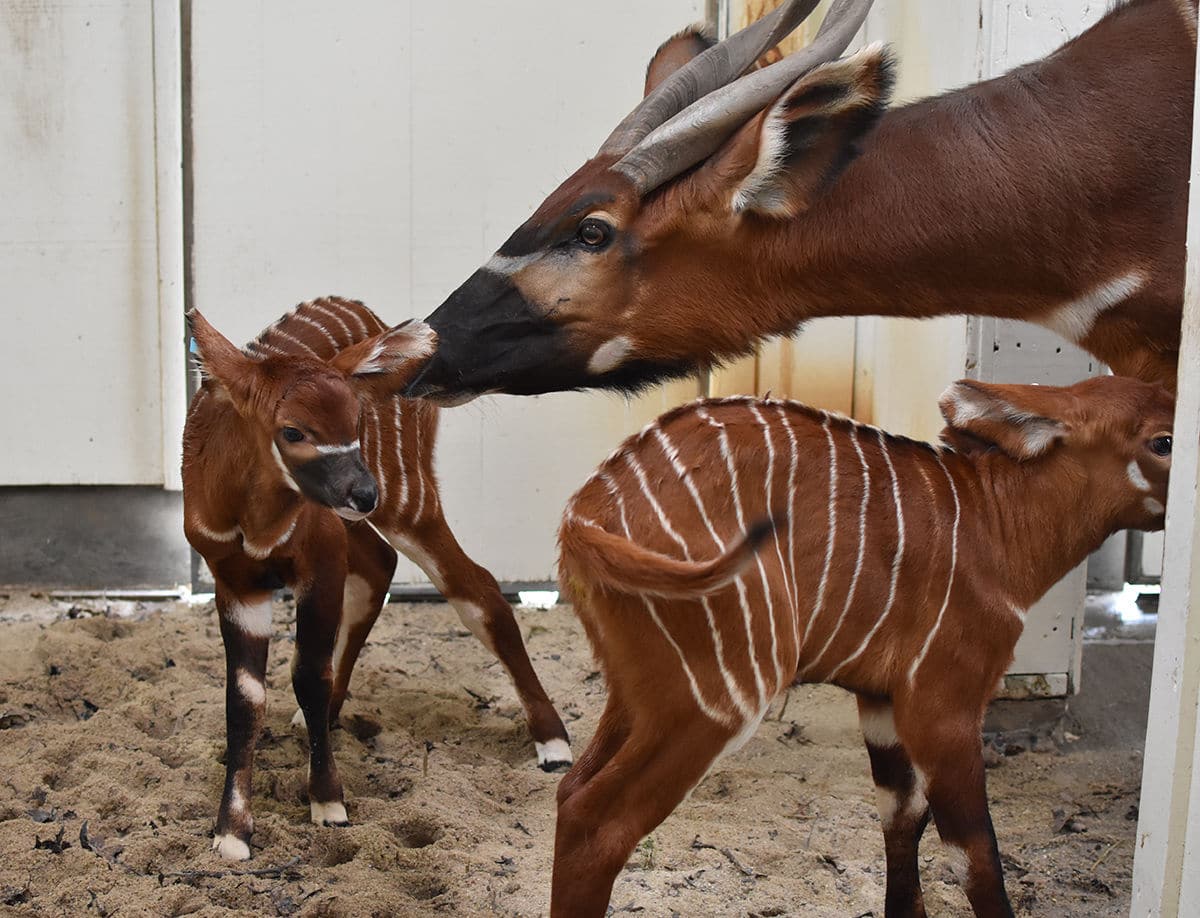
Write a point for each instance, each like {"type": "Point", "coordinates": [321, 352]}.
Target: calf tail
{"type": "Point", "coordinates": [612, 561]}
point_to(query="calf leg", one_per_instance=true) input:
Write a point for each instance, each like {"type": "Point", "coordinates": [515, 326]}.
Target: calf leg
{"type": "Point", "coordinates": [903, 809]}
{"type": "Point", "coordinates": [317, 615]}
{"type": "Point", "coordinates": [246, 632]}
{"type": "Point", "coordinates": [947, 753]}
{"type": "Point", "coordinates": [603, 817]}
{"type": "Point", "coordinates": [476, 597]}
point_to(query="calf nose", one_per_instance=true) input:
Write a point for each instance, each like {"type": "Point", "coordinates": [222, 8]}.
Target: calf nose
{"type": "Point", "coordinates": [363, 496]}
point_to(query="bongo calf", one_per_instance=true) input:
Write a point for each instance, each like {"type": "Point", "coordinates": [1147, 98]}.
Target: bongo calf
{"type": "Point", "coordinates": [898, 570]}
{"type": "Point", "coordinates": [300, 465]}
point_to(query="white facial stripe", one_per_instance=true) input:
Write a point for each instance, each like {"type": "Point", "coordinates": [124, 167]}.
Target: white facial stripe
{"type": "Point", "coordinates": [1074, 320]}
{"type": "Point", "coordinates": [609, 355]}
{"type": "Point", "coordinates": [338, 447]}
{"type": "Point", "coordinates": [508, 265]}
{"type": "Point", "coordinates": [287, 476]}
{"type": "Point", "coordinates": [1134, 471]}
{"type": "Point", "coordinates": [253, 620]}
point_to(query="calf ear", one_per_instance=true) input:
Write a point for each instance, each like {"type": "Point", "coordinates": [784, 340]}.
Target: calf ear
{"type": "Point", "coordinates": [677, 51]}
{"type": "Point", "coordinates": [390, 359]}
{"type": "Point", "coordinates": [1018, 420]}
{"type": "Point", "coordinates": [784, 159]}
{"type": "Point", "coordinates": [217, 359]}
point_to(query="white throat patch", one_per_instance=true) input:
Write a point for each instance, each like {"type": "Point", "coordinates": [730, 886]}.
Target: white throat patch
{"type": "Point", "coordinates": [609, 355]}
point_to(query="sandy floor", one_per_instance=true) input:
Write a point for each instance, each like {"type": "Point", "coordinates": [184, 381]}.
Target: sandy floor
{"type": "Point", "coordinates": [111, 731]}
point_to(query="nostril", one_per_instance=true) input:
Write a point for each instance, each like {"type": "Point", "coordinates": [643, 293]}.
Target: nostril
{"type": "Point", "coordinates": [363, 497]}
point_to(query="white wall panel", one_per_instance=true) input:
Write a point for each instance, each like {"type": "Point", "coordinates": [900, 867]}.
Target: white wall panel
{"type": "Point", "coordinates": [77, 245]}
{"type": "Point", "coordinates": [383, 151]}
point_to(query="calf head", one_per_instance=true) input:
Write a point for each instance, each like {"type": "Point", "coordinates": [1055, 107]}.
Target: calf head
{"type": "Point", "coordinates": [1113, 432]}
{"type": "Point", "coordinates": [303, 413]}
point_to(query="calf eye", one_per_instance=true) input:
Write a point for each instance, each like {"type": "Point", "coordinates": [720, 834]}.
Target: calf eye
{"type": "Point", "coordinates": [292, 435]}
{"type": "Point", "coordinates": [1161, 446]}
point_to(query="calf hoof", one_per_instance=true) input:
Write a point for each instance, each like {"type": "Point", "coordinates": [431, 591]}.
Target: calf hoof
{"type": "Point", "coordinates": [231, 848]}
{"type": "Point", "coordinates": [554, 755]}
{"type": "Point", "coordinates": [329, 814]}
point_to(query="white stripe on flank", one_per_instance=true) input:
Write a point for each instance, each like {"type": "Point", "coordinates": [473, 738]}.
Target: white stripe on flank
{"type": "Point", "coordinates": [299, 316]}
{"type": "Point", "coordinates": [349, 310]}
{"type": "Point", "coordinates": [400, 469]}
{"type": "Point", "coordinates": [739, 696]}
{"type": "Point", "coordinates": [325, 310]}
{"type": "Point", "coordinates": [790, 509]}
{"type": "Point", "coordinates": [380, 478]}
{"type": "Point", "coordinates": [640, 474]}
{"type": "Point", "coordinates": [912, 670]}
{"type": "Point", "coordinates": [754, 409]}
{"type": "Point", "coordinates": [819, 604]}
{"type": "Point", "coordinates": [711, 712]}
{"type": "Point", "coordinates": [328, 448]}
{"type": "Point", "coordinates": [759, 684]}
{"type": "Point", "coordinates": [896, 561]}
{"type": "Point", "coordinates": [282, 334]}
{"type": "Point", "coordinates": [416, 428]}
{"type": "Point", "coordinates": [862, 547]}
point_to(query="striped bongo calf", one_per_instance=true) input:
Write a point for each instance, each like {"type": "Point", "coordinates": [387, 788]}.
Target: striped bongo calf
{"type": "Point", "coordinates": [736, 547]}
{"type": "Point", "coordinates": [302, 466]}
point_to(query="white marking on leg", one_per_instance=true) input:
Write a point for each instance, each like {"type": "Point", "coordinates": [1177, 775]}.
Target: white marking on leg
{"type": "Point", "coordinates": [912, 670]}
{"type": "Point", "coordinates": [609, 355]}
{"type": "Point", "coordinates": [878, 726]}
{"type": "Point", "coordinates": [888, 803]}
{"type": "Point", "coordinates": [917, 801]}
{"type": "Point", "coordinates": [1134, 471]}
{"type": "Point", "coordinates": [252, 689]}
{"type": "Point", "coordinates": [1154, 506]}
{"type": "Point", "coordinates": [1074, 320]}
{"type": "Point", "coordinates": [819, 603]}
{"type": "Point", "coordinates": [896, 561]}
{"type": "Point", "coordinates": [252, 620]}
{"type": "Point", "coordinates": [763, 697]}
{"type": "Point", "coordinates": [356, 608]}
{"type": "Point", "coordinates": [329, 814]}
{"type": "Point", "coordinates": [231, 848]}
{"type": "Point", "coordinates": [475, 618]}
{"type": "Point", "coordinates": [862, 547]}
{"type": "Point", "coordinates": [960, 863]}
{"type": "Point", "coordinates": [416, 553]}
{"type": "Point", "coordinates": [553, 752]}
{"type": "Point", "coordinates": [287, 475]}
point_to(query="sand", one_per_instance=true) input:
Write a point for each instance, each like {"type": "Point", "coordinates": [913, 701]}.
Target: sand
{"type": "Point", "coordinates": [112, 731]}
